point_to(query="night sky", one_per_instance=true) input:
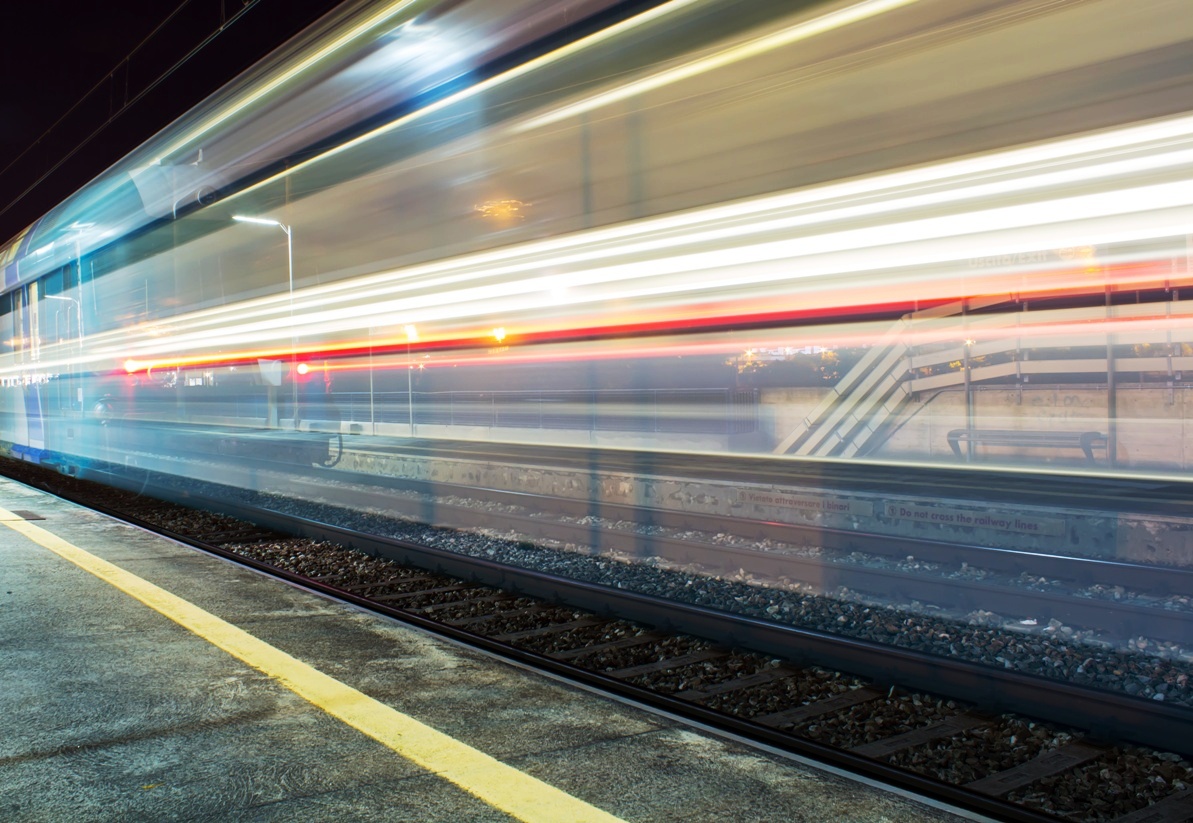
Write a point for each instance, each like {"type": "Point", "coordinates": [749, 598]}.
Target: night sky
{"type": "Point", "coordinates": [57, 50]}
{"type": "Point", "coordinates": [54, 52]}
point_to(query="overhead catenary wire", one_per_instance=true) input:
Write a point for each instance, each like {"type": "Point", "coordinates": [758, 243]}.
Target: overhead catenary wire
{"type": "Point", "coordinates": [108, 81]}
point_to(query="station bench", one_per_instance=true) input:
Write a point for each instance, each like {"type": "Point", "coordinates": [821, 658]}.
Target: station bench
{"type": "Point", "coordinates": [1086, 441]}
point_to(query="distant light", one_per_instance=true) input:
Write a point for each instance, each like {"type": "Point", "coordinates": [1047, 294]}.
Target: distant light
{"type": "Point", "coordinates": [303, 368]}
{"type": "Point", "coordinates": [502, 209]}
{"type": "Point", "coordinates": [499, 334]}
{"type": "Point", "coordinates": [411, 334]}
{"type": "Point", "coordinates": [131, 366]}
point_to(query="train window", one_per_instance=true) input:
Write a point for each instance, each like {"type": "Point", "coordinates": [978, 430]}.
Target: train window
{"type": "Point", "coordinates": [6, 323]}
{"type": "Point", "coordinates": [23, 334]}
{"type": "Point", "coordinates": [9, 253]}
{"type": "Point", "coordinates": [51, 284]}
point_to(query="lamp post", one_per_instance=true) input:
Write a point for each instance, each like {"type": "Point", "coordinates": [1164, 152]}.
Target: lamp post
{"type": "Point", "coordinates": [411, 337]}
{"type": "Point", "coordinates": [266, 221]}
{"type": "Point", "coordinates": [372, 410]}
{"type": "Point", "coordinates": [78, 311]}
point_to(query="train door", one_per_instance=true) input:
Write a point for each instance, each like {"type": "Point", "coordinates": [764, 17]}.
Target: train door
{"type": "Point", "coordinates": [59, 315]}
{"type": "Point", "coordinates": [27, 344]}
{"type": "Point", "coordinates": [12, 401]}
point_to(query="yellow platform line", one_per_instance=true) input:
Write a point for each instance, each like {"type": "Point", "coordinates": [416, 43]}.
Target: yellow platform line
{"type": "Point", "coordinates": [501, 786]}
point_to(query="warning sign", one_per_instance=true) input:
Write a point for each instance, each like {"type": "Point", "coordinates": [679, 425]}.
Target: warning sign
{"type": "Point", "coordinates": [807, 502]}
{"type": "Point", "coordinates": [997, 520]}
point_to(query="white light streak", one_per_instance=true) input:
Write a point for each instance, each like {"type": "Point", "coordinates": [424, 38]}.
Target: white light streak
{"type": "Point", "coordinates": [1087, 191]}
{"type": "Point", "coordinates": [255, 95]}
{"type": "Point", "coordinates": [801, 31]}
{"type": "Point", "coordinates": [485, 86]}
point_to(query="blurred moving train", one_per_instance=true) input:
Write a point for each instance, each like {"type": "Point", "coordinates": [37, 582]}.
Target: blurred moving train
{"type": "Point", "coordinates": [592, 221]}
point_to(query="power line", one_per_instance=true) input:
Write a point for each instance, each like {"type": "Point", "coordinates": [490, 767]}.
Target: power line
{"type": "Point", "coordinates": [110, 79]}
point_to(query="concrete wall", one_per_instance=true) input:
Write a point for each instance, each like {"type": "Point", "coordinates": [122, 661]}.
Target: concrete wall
{"type": "Point", "coordinates": [1083, 532]}
{"type": "Point", "coordinates": [782, 410]}
{"type": "Point", "coordinates": [1155, 427]}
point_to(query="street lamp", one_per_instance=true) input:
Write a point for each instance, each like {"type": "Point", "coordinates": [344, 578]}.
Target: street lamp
{"type": "Point", "coordinates": [266, 221]}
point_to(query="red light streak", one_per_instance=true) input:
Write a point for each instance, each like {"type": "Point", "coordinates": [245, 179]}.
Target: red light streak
{"type": "Point", "coordinates": [835, 305]}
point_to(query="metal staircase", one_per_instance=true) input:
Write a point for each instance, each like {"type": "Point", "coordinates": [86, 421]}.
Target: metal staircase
{"type": "Point", "coordinates": [860, 411]}
{"type": "Point", "coordinates": [869, 393]}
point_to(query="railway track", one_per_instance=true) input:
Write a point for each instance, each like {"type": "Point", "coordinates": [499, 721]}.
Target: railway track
{"type": "Point", "coordinates": [841, 701]}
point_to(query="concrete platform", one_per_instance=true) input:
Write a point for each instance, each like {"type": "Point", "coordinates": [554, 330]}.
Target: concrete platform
{"type": "Point", "coordinates": [143, 680]}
